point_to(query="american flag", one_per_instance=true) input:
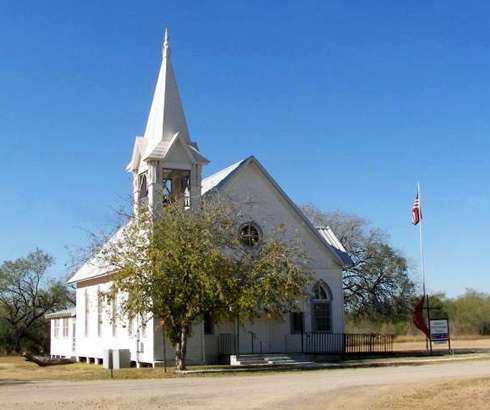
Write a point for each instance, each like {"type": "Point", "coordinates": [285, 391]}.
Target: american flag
{"type": "Point", "coordinates": [416, 210]}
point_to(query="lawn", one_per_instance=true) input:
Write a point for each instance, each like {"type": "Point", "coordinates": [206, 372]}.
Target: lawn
{"type": "Point", "coordinates": [17, 368]}
{"type": "Point", "coordinates": [404, 343]}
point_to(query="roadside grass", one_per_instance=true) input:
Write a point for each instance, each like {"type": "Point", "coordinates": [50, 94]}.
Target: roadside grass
{"type": "Point", "coordinates": [17, 368]}
{"type": "Point", "coordinates": [404, 343]}
{"type": "Point", "coordinates": [419, 338]}
{"type": "Point", "coordinates": [13, 368]}
{"type": "Point", "coordinates": [459, 394]}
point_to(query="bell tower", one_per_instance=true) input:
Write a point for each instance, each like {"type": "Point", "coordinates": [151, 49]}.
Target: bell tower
{"type": "Point", "coordinates": [166, 164]}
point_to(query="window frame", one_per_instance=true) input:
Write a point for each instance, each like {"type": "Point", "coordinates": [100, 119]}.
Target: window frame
{"type": "Point", "coordinates": [99, 312]}
{"type": "Point", "coordinates": [114, 314]}
{"type": "Point", "coordinates": [65, 327]}
{"type": "Point", "coordinates": [250, 225]}
{"type": "Point", "coordinates": [87, 313]}
{"type": "Point", "coordinates": [142, 186]}
{"type": "Point", "coordinates": [56, 328]}
{"type": "Point", "coordinates": [321, 299]}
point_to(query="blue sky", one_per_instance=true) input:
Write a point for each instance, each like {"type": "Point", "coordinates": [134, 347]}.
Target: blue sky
{"type": "Point", "coordinates": [347, 104]}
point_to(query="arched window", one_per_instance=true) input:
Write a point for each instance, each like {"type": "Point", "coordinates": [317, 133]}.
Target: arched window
{"type": "Point", "coordinates": [250, 234]}
{"type": "Point", "coordinates": [321, 320]}
{"type": "Point", "coordinates": [143, 188]}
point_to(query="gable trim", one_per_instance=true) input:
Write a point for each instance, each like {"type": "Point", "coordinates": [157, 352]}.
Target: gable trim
{"type": "Point", "coordinates": [285, 196]}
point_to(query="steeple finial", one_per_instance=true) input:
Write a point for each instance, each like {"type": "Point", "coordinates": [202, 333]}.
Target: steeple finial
{"type": "Point", "coordinates": [166, 47]}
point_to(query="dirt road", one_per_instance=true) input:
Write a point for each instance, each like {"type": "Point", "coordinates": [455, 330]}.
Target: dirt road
{"type": "Point", "coordinates": [323, 389]}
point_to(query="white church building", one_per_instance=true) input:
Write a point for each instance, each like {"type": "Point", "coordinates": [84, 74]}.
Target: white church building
{"type": "Point", "coordinates": [166, 163]}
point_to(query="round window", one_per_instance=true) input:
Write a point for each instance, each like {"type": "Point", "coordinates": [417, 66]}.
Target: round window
{"type": "Point", "coordinates": [250, 234]}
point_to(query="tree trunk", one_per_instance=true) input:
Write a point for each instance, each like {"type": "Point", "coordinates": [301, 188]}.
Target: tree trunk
{"type": "Point", "coordinates": [18, 341]}
{"type": "Point", "coordinates": [46, 361]}
{"type": "Point", "coordinates": [181, 348]}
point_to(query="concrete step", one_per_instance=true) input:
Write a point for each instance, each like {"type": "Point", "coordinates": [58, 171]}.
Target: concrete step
{"type": "Point", "coordinates": [276, 359]}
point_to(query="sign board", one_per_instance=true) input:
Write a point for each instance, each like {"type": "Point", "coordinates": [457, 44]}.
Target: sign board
{"type": "Point", "coordinates": [439, 330]}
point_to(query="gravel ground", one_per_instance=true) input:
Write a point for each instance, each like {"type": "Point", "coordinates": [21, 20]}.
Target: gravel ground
{"type": "Point", "coordinates": [322, 389]}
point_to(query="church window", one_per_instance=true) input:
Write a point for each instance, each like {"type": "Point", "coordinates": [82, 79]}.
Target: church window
{"type": "Point", "coordinates": [319, 292]}
{"type": "Point", "coordinates": [56, 323]}
{"type": "Point", "coordinates": [99, 314]}
{"type": "Point", "coordinates": [321, 308]}
{"type": "Point", "coordinates": [144, 322]}
{"type": "Point", "coordinates": [250, 234]}
{"type": "Point", "coordinates": [143, 187]}
{"type": "Point", "coordinates": [114, 314]}
{"type": "Point", "coordinates": [87, 311]}
{"type": "Point", "coordinates": [65, 327]}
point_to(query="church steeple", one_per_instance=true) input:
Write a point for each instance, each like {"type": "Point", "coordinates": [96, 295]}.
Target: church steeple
{"type": "Point", "coordinates": [166, 146]}
{"type": "Point", "coordinates": [166, 116]}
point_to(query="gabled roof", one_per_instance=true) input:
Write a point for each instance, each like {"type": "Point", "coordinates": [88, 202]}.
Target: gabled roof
{"type": "Point", "coordinates": [335, 244]}
{"type": "Point", "coordinates": [215, 180]}
{"type": "Point", "coordinates": [95, 268]}
{"type": "Point", "coordinates": [325, 235]}
{"type": "Point", "coordinates": [161, 150]}
{"type": "Point", "coordinates": [138, 150]}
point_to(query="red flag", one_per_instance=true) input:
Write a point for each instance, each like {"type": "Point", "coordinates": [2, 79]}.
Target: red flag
{"type": "Point", "coordinates": [416, 210]}
{"type": "Point", "coordinates": [418, 317]}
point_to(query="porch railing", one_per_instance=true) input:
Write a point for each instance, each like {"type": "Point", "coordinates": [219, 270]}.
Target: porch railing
{"type": "Point", "coordinates": [368, 343]}
{"type": "Point", "coordinates": [319, 343]}
{"type": "Point", "coordinates": [226, 343]}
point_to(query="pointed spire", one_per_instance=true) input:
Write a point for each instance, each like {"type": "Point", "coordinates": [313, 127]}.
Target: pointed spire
{"type": "Point", "coordinates": [166, 45]}
{"type": "Point", "coordinates": [166, 122]}
{"type": "Point", "coordinates": [166, 116]}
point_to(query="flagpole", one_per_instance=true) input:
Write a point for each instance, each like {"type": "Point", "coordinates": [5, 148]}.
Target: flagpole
{"type": "Point", "coordinates": [428, 341]}
{"type": "Point", "coordinates": [421, 241]}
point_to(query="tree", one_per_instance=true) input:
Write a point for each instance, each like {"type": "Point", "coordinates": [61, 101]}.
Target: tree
{"type": "Point", "coordinates": [470, 312]}
{"type": "Point", "coordinates": [26, 295]}
{"type": "Point", "coordinates": [378, 284]}
{"type": "Point", "coordinates": [181, 264]}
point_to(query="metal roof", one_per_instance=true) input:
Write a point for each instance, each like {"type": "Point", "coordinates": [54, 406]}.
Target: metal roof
{"type": "Point", "coordinates": [335, 244]}
{"type": "Point", "coordinates": [96, 267]}
{"type": "Point", "coordinates": [215, 180]}
{"type": "Point", "coordinates": [71, 312]}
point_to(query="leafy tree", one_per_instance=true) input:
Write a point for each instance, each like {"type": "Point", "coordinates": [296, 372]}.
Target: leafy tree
{"type": "Point", "coordinates": [181, 264]}
{"type": "Point", "coordinates": [378, 284]}
{"type": "Point", "coordinates": [26, 295]}
{"type": "Point", "coordinates": [470, 312]}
